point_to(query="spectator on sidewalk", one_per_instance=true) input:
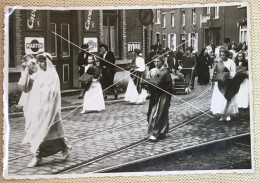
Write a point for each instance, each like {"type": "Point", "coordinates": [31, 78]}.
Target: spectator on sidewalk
{"type": "Point", "coordinates": [135, 93]}
{"type": "Point", "coordinates": [178, 58]}
{"type": "Point", "coordinates": [151, 54]}
{"type": "Point", "coordinates": [160, 84]}
{"type": "Point", "coordinates": [45, 133]}
{"type": "Point", "coordinates": [107, 64]}
{"type": "Point", "coordinates": [82, 62]}
{"type": "Point", "coordinates": [203, 66]}
{"type": "Point", "coordinates": [242, 70]}
{"type": "Point", "coordinates": [188, 64]}
{"type": "Point", "coordinates": [93, 98]}
{"type": "Point", "coordinates": [233, 52]}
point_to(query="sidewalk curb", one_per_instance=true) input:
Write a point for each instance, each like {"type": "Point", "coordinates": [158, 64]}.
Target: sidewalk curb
{"type": "Point", "coordinates": [71, 107]}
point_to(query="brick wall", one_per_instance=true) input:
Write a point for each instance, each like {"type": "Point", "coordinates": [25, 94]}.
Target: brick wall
{"type": "Point", "coordinates": [124, 34]}
{"type": "Point", "coordinates": [101, 31]}
{"type": "Point", "coordinates": [17, 39]}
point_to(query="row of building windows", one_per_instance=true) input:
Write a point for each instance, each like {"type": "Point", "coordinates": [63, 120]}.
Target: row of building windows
{"type": "Point", "coordinates": [208, 12]}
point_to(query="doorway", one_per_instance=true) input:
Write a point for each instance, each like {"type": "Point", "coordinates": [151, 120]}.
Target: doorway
{"type": "Point", "coordinates": [61, 50]}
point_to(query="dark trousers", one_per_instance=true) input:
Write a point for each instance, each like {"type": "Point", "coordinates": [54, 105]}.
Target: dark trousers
{"type": "Point", "coordinates": [189, 78]}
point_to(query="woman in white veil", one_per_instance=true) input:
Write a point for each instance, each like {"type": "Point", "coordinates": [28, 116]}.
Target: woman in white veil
{"type": "Point", "coordinates": [45, 132]}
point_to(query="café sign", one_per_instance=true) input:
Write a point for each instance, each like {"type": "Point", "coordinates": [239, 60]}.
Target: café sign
{"type": "Point", "coordinates": [92, 42]}
{"type": "Point", "coordinates": [34, 20]}
{"type": "Point", "coordinates": [34, 45]}
{"type": "Point", "coordinates": [131, 46]}
{"type": "Point", "coordinates": [89, 24]}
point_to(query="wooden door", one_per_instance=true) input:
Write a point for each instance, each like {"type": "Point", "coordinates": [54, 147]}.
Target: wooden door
{"type": "Point", "coordinates": [61, 49]}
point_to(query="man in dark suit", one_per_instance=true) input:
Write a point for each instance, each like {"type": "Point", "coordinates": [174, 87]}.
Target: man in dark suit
{"type": "Point", "coordinates": [82, 62]}
{"type": "Point", "coordinates": [108, 69]}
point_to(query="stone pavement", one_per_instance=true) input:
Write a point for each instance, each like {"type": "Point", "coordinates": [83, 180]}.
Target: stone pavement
{"type": "Point", "coordinates": [94, 135]}
{"type": "Point", "coordinates": [203, 130]}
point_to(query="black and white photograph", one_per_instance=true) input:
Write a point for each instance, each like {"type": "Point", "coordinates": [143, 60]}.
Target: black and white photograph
{"type": "Point", "coordinates": [118, 91]}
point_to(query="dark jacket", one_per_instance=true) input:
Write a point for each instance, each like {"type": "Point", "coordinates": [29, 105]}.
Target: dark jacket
{"type": "Point", "coordinates": [82, 61]}
{"type": "Point", "coordinates": [188, 62]}
{"type": "Point", "coordinates": [110, 57]}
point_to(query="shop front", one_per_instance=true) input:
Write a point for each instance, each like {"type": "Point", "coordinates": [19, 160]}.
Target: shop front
{"type": "Point", "coordinates": [62, 32]}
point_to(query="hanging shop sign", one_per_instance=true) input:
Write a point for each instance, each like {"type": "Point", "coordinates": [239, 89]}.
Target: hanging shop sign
{"type": "Point", "coordinates": [131, 46]}
{"type": "Point", "coordinates": [145, 16]}
{"type": "Point", "coordinates": [89, 23]}
{"type": "Point", "coordinates": [93, 44]}
{"type": "Point", "coordinates": [34, 20]}
{"type": "Point", "coordinates": [34, 45]}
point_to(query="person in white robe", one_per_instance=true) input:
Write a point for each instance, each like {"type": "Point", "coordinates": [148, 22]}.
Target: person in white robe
{"type": "Point", "coordinates": [135, 93]}
{"type": "Point", "coordinates": [223, 101]}
{"type": "Point", "coordinates": [93, 98]}
{"type": "Point", "coordinates": [243, 93]}
{"type": "Point", "coordinates": [28, 69]}
{"type": "Point", "coordinates": [45, 132]}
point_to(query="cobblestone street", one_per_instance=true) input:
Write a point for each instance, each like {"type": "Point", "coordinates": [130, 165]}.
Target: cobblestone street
{"type": "Point", "coordinates": [122, 125]}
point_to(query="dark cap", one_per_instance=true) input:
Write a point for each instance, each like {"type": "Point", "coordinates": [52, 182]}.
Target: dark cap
{"type": "Point", "coordinates": [41, 57]}
{"type": "Point", "coordinates": [85, 46]}
{"type": "Point", "coordinates": [137, 51]}
{"type": "Point", "coordinates": [104, 46]}
{"type": "Point", "coordinates": [189, 48]}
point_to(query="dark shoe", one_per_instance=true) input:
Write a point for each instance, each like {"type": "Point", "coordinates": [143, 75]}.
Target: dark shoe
{"type": "Point", "coordinates": [80, 97]}
{"type": "Point", "coordinates": [105, 97]}
{"type": "Point", "coordinates": [162, 136]}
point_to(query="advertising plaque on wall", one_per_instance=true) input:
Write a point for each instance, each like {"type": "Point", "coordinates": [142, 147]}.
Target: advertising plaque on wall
{"type": "Point", "coordinates": [89, 24]}
{"type": "Point", "coordinates": [34, 45]}
{"type": "Point", "coordinates": [92, 42]}
{"type": "Point", "coordinates": [131, 46]}
{"type": "Point", "coordinates": [34, 19]}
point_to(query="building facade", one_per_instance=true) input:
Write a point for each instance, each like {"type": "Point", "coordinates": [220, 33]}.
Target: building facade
{"type": "Point", "coordinates": [174, 28]}
{"type": "Point", "coordinates": [225, 24]}
{"type": "Point", "coordinates": [62, 33]}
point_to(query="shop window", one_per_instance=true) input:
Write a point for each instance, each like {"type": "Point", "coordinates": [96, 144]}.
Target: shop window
{"type": "Point", "coordinates": [183, 40]}
{"type": "Point", "coordinates": [194, 41]}
{"type": "Point", "coordinates": [216, 11]}
{"type": "Point", "coordinates": [172, 41]}
{"type": "Point", "coordinates": [111, 31]}
{"type": "Point", "coordinates": [243, 34]}
{"type": "Point", "coordinates": [65, 45]}
{"type": "Point", "coordinates": [164, 41]}
{"type": "Point", "coordinates": [193, 17]}
{"type": "Point", "coordinates": [172, 19]}
{"type": "Point", "coordinates": [157, 38]}
{"type": "Point", "coordinates": [53, 40]}
{"type": "Point", "coordinates": [183, 18]}
{"type": "Point", "coordinates": [208, 10]}
{"type": "Point", "coordinates": [158, 16]}
{"type": "Point", "coordinates": [66, 75]}
{"type": "Point", "coordinates": [164, 20]}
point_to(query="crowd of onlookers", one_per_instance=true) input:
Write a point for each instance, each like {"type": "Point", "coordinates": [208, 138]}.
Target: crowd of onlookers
{"type": "Point", "coordinates": [193, 64]}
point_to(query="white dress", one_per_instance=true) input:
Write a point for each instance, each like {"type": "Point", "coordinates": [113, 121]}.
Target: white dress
{"type": "Point", "coordinates": [218, 101]}
{"type": "Point", "coordinates": [242, 96]}
{"type": "Point", "coordinates": [93, 98]}
{"type": "Point", "coordinates": [132, 94]}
